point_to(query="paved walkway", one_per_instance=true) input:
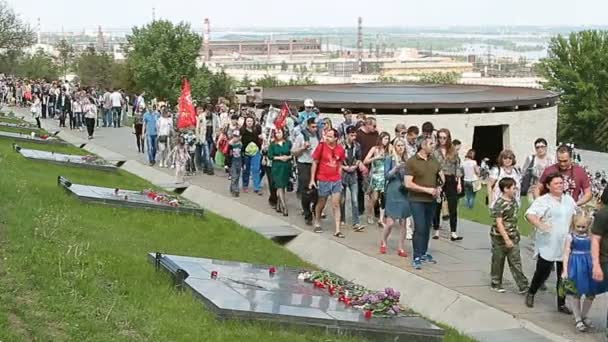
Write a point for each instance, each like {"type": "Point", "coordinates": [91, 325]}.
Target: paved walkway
{"type": "Point", "coordinates": [462, 266]}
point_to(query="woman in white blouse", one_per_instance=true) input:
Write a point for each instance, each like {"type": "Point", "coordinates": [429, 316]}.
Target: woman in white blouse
{"type": "Point", "coordinates": [505, 168]}
{"type": "Point", "coordinates": [551, 214]}
{"type": "Point", "coordinates": [165, 128]}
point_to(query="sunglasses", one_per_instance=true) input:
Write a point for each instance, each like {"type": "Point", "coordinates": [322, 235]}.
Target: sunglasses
{"type": "Point", "coordinates": [540, 146]}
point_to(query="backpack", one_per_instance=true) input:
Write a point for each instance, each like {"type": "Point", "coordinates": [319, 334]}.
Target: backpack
{"type": "Point", "coordinates": [526, 180]}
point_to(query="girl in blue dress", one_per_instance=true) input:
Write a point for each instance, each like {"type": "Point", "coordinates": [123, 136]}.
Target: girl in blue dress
{"type": "Point", "coordinates": [578, 268]}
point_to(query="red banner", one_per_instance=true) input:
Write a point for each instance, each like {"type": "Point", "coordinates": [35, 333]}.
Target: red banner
{"type": "Point", "coordinates": [187, 113]}
{"type": "Point", "coordinates": [281, 121]}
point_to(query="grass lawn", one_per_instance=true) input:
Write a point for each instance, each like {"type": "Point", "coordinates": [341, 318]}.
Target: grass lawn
{"type": "Point", "coordinates": [75, 271]}
{"type": "Point", "coordinates": [23, 130]}
{"type": "Point", "coordinates": [11, 119]}
{"type": "Point", "coordinates": [481, 214]}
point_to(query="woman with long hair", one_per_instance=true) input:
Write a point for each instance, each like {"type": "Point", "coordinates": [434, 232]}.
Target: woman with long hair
{"type": "Point", "coordinates": [447, 155]}
{"type": "Point", "coordinates": [397, 205]}
{"type": "Point", "coordinates": [279, 153]}
{"type": "Point", "coordinates": [138, 124]}
{"type": "Point", "coordinates": [90, 115]}
{"type": "Point", "coordinates": [505, 168]}
{"type": "Point", "coordinates": [471, 176]}
{"type": "Point", "coordinates": [375, 159]}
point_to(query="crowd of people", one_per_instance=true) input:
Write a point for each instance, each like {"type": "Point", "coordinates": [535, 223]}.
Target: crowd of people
{"type": "Point", "coordinates": [80, 107]}
{"type": "Point", "coordinates": [410, 180]}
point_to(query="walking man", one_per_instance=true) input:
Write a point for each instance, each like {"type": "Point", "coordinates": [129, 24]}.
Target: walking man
{"type": "Point", "coordinates": [424, 183]}
{"type": "Point", "coordinates": [151, 134]}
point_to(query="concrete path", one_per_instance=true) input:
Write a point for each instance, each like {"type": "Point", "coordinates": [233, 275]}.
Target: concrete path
{"type": "Point", "coordinates": [454, 291]}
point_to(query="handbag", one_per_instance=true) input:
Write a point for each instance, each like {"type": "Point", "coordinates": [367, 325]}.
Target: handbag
{"type": "Point", "coordinates": [476, 185]}
{"type": "Point", "coordinates": [162, 139]}
{"type": "Point", "coordinates": [526, 180]}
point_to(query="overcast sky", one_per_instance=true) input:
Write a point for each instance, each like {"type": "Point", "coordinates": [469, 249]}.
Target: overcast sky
{"type": "Point", "coordinates": [76, 14]}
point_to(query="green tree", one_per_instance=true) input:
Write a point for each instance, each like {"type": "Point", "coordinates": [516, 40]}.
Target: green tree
{"type": "Point", "coordinates": [14, 34]}
{"type": "Point", "coordinates": [122, 77]}
{"type": "Point", "coordinates": [269, 81]}
{"type": "Point", "coordinates": [66, 55]}
{"type": "Point", "coordinates": [221, 85]}
{"type": "Point", "coordinates": [577, 67]}
{"type": "Point", "coordinates": [440, 77]}
{"type": "Point", "coordinates": [246, 82]}
{"type": "Point", "coordinates": [94, 69]}
{"type": "Point", "coordinates": [387, 79]}
{"type": "Point", "coordinates": [160, 55]}
{"type": "Point", "coordinates": [38, 65]}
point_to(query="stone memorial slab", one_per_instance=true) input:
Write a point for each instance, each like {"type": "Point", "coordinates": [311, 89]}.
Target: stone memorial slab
{"type": "Point", "coordinates": [24, 125]}
{"type": "Point", "coordinates": [90, 162]}
{"type": "Point", "coordinates": [32, 139]}
{"type": "Point", "coordinates": [251, 292]}
{"type": "Point", "coordinates": [129, 198]}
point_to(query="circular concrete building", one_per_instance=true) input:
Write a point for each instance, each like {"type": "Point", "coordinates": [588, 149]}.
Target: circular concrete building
{"type": "Point", "coordinates": [486, 118]}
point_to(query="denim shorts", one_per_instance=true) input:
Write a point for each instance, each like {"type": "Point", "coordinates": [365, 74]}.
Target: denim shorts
{"type": "Point", "coordinates": [330, 188]}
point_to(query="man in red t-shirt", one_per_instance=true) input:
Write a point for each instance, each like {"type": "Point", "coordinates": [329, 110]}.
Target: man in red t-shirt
{"type": "Point", "coordinates": [326, 169]}
{"type": "Point", "coordinates": [576, 181]}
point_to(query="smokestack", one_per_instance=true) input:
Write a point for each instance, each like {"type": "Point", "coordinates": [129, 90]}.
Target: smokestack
{"type": "Point", "coordinates": [206, 38]}
{"type": "Point", "coordinates": [38, 32]}
{"type": "Point", "coordinates": [360, 45]}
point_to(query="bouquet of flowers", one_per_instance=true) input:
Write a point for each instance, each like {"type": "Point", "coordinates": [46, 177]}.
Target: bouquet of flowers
{"type": "Point", "coordinates": [91, 159]}
{"type": "Point", "coordinates": [161, 197]}
{"type": "Point", "coordinates": [383, 304]}
{"type": "Point", "coordinates": [567, 287]}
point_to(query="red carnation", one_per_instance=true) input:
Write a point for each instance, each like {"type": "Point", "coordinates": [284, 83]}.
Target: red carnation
{"type": "Point", "coordinates": [368, 314]}
{"type": "Point", "coordinates": [213, 274]}
{"type": "Point", "coordinates": [272, 270]}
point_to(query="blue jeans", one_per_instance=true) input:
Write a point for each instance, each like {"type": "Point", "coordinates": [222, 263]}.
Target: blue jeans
{"type": "Point", "coordinates": [251, 166]}
{"type": "Point", "coordinates": [469, 195]}
{"type": "Point", "coordinates": [151, 141]}
{"type": "Point", "coordinates": [205, 157]}
{"type": "Point", "coordinates": [354, 204]}
{"type": "Point", "coordinates": [116, 113]}
{"type": "Point", "coordinates": [235, 174]}
{"type": "Point", "coordinates": [422, 212]}
{"type": "Point", "coordinates": [107, 117]}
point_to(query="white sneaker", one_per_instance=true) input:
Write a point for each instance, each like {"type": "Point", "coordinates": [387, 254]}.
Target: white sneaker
{"type": "Point", "coordinates": [161, 164]}
{"type": "Point", "coordinates": [408, 236]}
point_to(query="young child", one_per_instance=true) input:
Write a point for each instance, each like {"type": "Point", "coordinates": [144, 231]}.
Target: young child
{"type": "Point", "coordinates": [505, 238]}
{"type": "Point", "coordinates": [236, 154]}
{"type": "Point", "coordinates": [578, 267]}
{"type": "Point", "coordinates": [180, 157]}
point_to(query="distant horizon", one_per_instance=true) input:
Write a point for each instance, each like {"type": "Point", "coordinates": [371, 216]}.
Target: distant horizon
{"type": "Point", "coordinates": [354, 27]}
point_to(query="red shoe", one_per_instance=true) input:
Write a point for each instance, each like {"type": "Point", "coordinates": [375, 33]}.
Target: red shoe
{"type": "Point", "coordinates": [382, 249]}
{"type": "Point", "coordinates": [402, 253]}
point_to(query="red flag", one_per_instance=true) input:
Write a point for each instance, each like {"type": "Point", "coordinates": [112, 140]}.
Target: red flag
{"type": "Point", "coordinates": [281, 120]}
{"type": "Point", "coordinates": [187, 114]}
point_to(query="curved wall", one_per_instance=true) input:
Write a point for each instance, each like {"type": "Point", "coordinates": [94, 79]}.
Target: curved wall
{"type": "Point", "coordinates": [521, 128]}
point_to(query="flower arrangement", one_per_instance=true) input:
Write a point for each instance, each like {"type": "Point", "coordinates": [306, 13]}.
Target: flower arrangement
{"type": "Point", "coordinates": [162, 198]}
{"type": "Point", "coordinates": [374, 303]}
{"type": "Point", "coordinates": [567, 287]}
{"type": "Point", "coordinates": [91, 159]}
